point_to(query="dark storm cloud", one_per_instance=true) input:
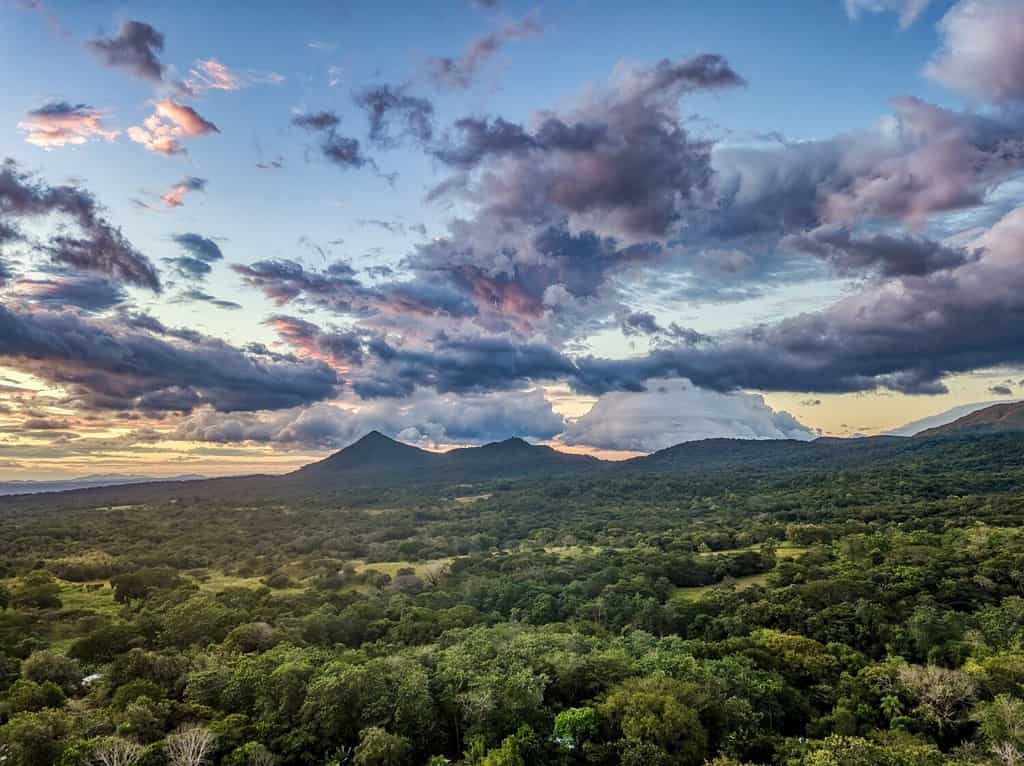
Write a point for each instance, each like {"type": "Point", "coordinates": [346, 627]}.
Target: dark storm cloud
{"type": "Point", "coordinates": [88, 292]}
{"type": "Point", "coordinates": [884, 254]}
{"type": "Point", "coordinates": [96, 246]}
{"type": "Point", "coordinates": [640, 323]}
{"type": "Point", "coordinates": [481, 138]}
{"type": "Point", "coordinates": [622, 161]}
{"type": "Point", "coordinates": [645, 323]}
{"type": "Point", "coordinates": [461, 365]}
{"type": "Point", "coordinates": [111, 365]}
{"type": "Point", "coordinates": [394, 114]}
{"type": "Point", "coordinates": [134, 48]}
{"type": "Point", "coordinates": [200, 247]}
{"type": "Point", "coordinates": [904, 334]}
{"type": "Point", "coordinates": [461, 72]}
{"type": "Point", "coordinates": [579, 264]}
{"type": "Point", "coordinates": [338, 290]}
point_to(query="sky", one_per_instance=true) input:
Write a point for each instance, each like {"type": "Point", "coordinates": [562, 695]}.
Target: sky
{"type": "Point", "coordinates": [235, 237]}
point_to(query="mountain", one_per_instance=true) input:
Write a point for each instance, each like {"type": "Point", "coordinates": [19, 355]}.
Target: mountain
{"type": "Point", "coordinates": [376, 458]}
{"type": "Point", "coordinates": [29, 487]}
{"type": "Point", "coordinates": [915, 427]}
{"type": "Point", "coordinates": [997, 418]}
{"type": "Point", "coordinates": [376, 467]}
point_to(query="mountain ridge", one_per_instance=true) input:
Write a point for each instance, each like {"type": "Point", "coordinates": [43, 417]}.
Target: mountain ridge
{"type": "Point", "coordinates": [379, 462]}
{"type": "Point", "coordinates": [1005, 416]}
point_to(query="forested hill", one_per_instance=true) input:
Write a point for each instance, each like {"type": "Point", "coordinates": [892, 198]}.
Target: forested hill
{"type": "Point", "coordinates": [377, 467]}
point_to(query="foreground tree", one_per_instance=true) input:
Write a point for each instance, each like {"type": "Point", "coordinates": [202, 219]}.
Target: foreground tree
{"type": "Point", "coordinates": [190, 746]}
{"type": "Point", "coordinates": [115, 751]}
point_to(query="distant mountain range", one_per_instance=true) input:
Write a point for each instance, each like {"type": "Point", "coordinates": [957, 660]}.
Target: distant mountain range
{"type": "Point", "coordinates": [379, 463]}
{"type": "Point", "coordinates": [84, 482]}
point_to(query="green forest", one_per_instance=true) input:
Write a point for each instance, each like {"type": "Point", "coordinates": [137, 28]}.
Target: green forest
{"type": "Point", "coordinates": [866, 615]}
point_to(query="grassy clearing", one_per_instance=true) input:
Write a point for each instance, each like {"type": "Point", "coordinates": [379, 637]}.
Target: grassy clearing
{"type": "Point", "coordinates": [573, 551]}
{"type": "Point", "coordinates": [216, 581]}
{"type": "Point", "coordinates": [87, 597]}
{"type": "Point", "coordinates": [467, 499]}
{"type": "Point", "coordinates": [392, 567]}
{"type": "Point", "coordinates": [738, 583]}
{"type": "Point", "coordinates": [783, 551]}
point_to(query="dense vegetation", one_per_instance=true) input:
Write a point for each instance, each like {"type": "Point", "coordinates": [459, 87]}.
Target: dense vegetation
{"type": "Point", "coordinates": [819, 614]}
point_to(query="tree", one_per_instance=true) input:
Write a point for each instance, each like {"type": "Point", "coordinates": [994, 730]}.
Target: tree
{"type": "Point", "coordinates": [379, 748]}
{"type": "Point", "coordinates": [25, 695]}
{"type": "Point", "coordinates": [189, 746]}
{"type": "Point", "coordinates": [1001, 723]}
{"type": "Point", "coordinates": [35, 739]}
{"type": "Point", "coordinates": [656, 722]}
{"type": "Point", "coordinates": [115, 751]}
{"type": "Point", "coordinates": [43, 666]}
{"type": "Point", "coordinates": [943, 695]}
{"type": "Point", "coordinates": [574, 726]}
{"type": "Point", "coordinates": [251, 754]}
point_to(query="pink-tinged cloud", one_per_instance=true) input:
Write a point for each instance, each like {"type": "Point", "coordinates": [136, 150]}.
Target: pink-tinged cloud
{"type": "Point", "coordinates": [161, 131]}
{"type": "Point", "coordinates": [213, 75]}
{"type": "Point", "coordinates": [460, 72]}
{"type": "Point", "coordinates": [175, 196]}
{"type": "Point", "coordinates": [983, 52]}
{"type": "Point", "coordinates": [60, 123]}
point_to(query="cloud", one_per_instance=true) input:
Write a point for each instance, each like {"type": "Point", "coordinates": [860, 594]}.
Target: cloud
{"type": "Point", "coordinates": [621, 163]}
{"type": "Point", "coordinates": [982, 54]}
{"type": "Point", "coordinates": [337, 289]}
{"type": "Point", "coordinates": [199, 246]}
{"type": "Point", "coordinates": [340, 150]}
{"type": "Point", "coordinates": [59, 123]}
{"type": "Point", "coordinates": [1000, 390]}
{"type": "Point", "coordinates": [908, 10]}
{"type": "Point", "coordinates": [339, 349]}
{"type": "Point", "coordinates": [175, 196]}
{"type": "Point", "coordinates": [96, 246]}
{"type": "Point", "coordinates": [425, 418]}
{"type": "Point", "coordinates": [385, 105]}
{"type": "Point", "coordinates": [920, 161]}
{"type": "Point", "coordinates": [198, 296]}
{"type": "Point", "coordinates": [885, 254]}
{"type": "Point", "coordinates": [210, 74]}
{"type": "Point", "coordinates": [468, 364]}
{"type": "Point", "coordinates": [200, 253]}
{"type": "Point", "coordinates": [170, 122]}
{"type": "Point", "coordinates": [461, 72]}
{"type": "Point", "coordinates": [645, 323]}
{"type": "Point", "coordinates": [88, 292]}
{"type": "Point", "coordinates": [135, 365]}
{"type": "Point", "coordinates": [188, 267]}
{"type": "Point", "coordinates": [673, 411]}
{"type": "Point", "coordinates": [134, 48]}
{"type": "Point", "coordinates": [903, 334]}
